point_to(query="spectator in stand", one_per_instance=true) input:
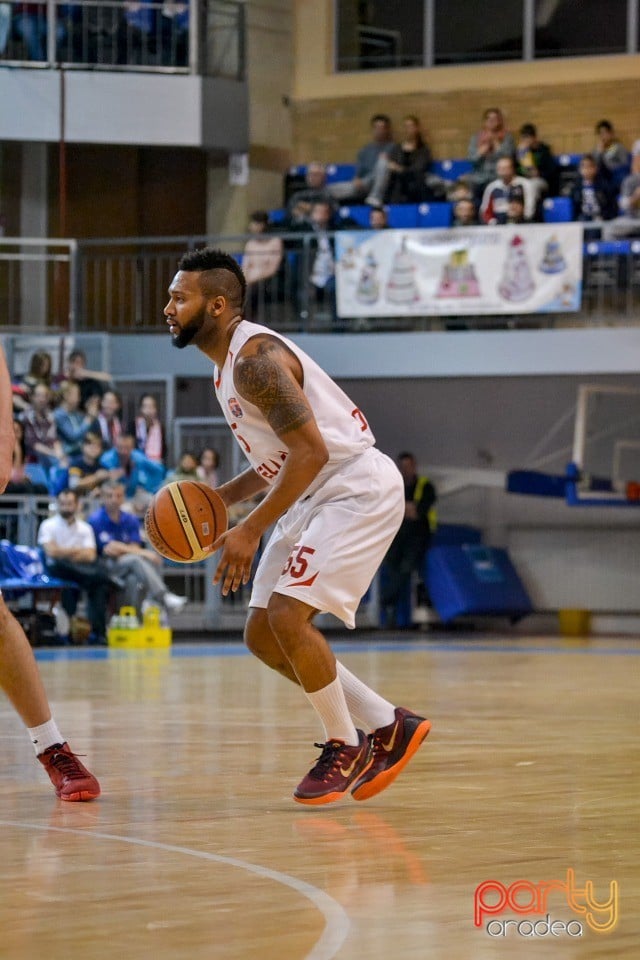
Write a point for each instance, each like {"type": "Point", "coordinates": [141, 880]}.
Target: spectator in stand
{"type": "Point", "coordinates": [92, 383]}
{"type": "Point", "coordinates": [71, 422]}
{"type": "Point", "coordinates": [187, 468]}
{"type": "Point", "coordinates": [141, 22]}
{"type": "Point", "coordinates": [628, 223]}
{"type": "Point", "coordinates": [315, 191]}
{"type": "Point", "coordinates": [593, 195]}
{"type": "Point", "coordinates": [139, 476]}
{"type": "Point", "coordinates": [175, 34]}
{"type": "Point", "coordinates": [69, 545]}
{"type": "Point", "coordinates": [515, 210]}
{"type": "Point", "coordinates": [262, 264]}
{"type": "Point", "coordinates": [148, 430]}
{"type": "Point", "coordinates": [21, 479]}
{"type": "Point", "coordinates": [372, 169]}
{"type": "Point", "coordinates": [495, 199]}
{"type": "Point", "coordinates": [409, 163]}
{"type": "Point", "coordinates": [109, 418]}
{"type": "Point", "coordinates": [40, 432]}
{"type": "Point", "coordinates": [535, 159]}
{"type": "Point", "coordinates": [460, 190]}
{"type": "Point", "coordinates": [85, 475]}
{"type": "Point", "coordinates": [610, 155]}
{"type": "Point", "coordinates": [465, 213]}
{"type": "Point", "coordinates": [30, 25]}
{"type": "Point", "coordinates": [39, 372]}
{"type": "Point", "coordinates": [486, 147]}
{"type": "Point", "coordinates": [378, 219]}
{"type": "Point", "coordinates": [120, 548]}
{"type": "Point", "coordinates": [323, 266]}
{"type": "Point", "coordinates": [208, 464]}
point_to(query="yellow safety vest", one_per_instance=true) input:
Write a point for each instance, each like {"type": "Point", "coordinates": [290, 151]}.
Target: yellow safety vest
{"type": "Point", "coordinates": [432, 515]}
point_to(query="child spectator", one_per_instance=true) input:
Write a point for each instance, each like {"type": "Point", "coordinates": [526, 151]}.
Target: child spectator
{"type": "Point", "coordinates": [593, 196]}
{"type": "Point", "coordinates": [109, 420]}
{"type": "Point", "coordinates": [148, 430]}
{"type": "Point", "coordinates": [207, 469]}
{"type": "Point", "coordinates": [610, 155]}
{"type": "Point", "coordinates": [187, 468]}
{"type": "Point", "coordinates": [535, 159]}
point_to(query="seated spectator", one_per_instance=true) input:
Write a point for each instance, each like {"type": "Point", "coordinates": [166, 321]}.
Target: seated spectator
{"type": "Point", "coordinates": [315, 191]}
{"type": "Point", "coordinates": [40, 366]}
{"type": "Point", "coordinates": [148, 430]}
{"type": "Point", "coordinates": [610, 155]}
{"type": "Point", "coordinates": [69, 546]}
{"type": "Point", "coordinates": [323, 266]}
{"type": "Point", "coordinates": [21, 479]}
{"type": "Point", "coordinates": [486, 147]}
{"type": "Point", "coordinates": [409, 163]}
{"type": "Point", "coordinates": [378, 219]}
{"type": "Point", "coordinates": [465, 213]}
{"type": "Point", "coordinates": [84, 474]}
{"type": "Point", "coordinates": [30, 25]}
{"type": "Point", "coordinates": [92, 383]}
{"type": "Point", "coordinates": [40, 432]}
{"type": "Point", "coordinates": [495, 199]}
{"type": "Point", "coordinates": [535, 159]}
{"type": "Point", "coordinates": [372, 170]}
{"type": "Point", "coordinates": [593, 196]}
{"type": "Point", "coordinates": [120, 547]}
{"type": "Point", "coordinates": [628, 223]}
{"type": "Point", "coordinates": [175, 34]}
{"type": "Point", "coordinates": [139, 476]}
{"type": "Point", "coordinates": [71, 422]}
{"type": "Point", "coordinates": [515, 210]}
{"type": "Point", "coordinates": [109, 418]}
{"type": "Point", "coordinates": [262, 264]}
{"type": "Point", "coordinates": [208, 464]}
{"type": "Point", "coordinates": [460, 190]}
{"type": "Point", "coordinates": [187, 468]}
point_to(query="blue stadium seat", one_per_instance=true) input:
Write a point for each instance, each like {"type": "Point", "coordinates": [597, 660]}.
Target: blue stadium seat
{"type": "Point", "coordinates": [359, 213]}
{"type": "Point", "coordinates": [607, 248]}
{"type": "Point", "coordinates": [340, 172]}
{"type": "Point", "coordinates": [569, 160]}
{"type": "Point", "coordinates": [558, 210]}
{"type": "Point", "coordinates": [401, 215]}
{"type": "Point", "coordinates": [298, 171]}
{"type": "Point", "coordinates": [451, 169]}
{"type": "Point", "coordinates": [435, 214]}
{"type": "Point", "coordinates": [277, 216]}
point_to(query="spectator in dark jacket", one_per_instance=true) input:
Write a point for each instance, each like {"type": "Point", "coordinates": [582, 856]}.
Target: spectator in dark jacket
{"type": "Point", "coordinates": [593, 197]}
{"type": "Point", "coordinates": [409, 163]}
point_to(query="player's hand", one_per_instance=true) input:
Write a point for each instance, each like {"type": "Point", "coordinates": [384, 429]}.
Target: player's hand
{"type": "Point", "coordinates": [238, 546]}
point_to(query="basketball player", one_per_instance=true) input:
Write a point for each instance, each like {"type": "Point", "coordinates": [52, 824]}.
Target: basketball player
{"type": "Point", "coordinates": [337, 503]}
{"type": "Point", "coordinates": [19, 676]}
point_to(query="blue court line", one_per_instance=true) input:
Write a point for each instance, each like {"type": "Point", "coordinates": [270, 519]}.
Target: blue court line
{"type": "Point", "coordinates": [237, 649]}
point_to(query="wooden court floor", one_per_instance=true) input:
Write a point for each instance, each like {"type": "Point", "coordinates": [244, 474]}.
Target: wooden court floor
{"type": "Point", "coordinates": [196, 851]}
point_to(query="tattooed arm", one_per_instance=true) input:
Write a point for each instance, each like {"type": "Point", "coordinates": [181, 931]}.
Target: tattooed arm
{"type": "Point", "coordinates": [269, 375]}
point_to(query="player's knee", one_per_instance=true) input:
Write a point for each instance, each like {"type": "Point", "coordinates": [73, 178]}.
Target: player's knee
{"type": "Point", "coordinates": [286, 616]}
{"type": "Point", "coordinates": [257, 623]}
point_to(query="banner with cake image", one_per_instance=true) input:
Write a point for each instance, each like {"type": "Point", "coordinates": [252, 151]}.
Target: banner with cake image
{"type": "Point", "coordinates": [529, 268]}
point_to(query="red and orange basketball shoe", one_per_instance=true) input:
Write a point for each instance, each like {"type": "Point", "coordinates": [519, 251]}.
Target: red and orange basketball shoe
{"type": "Point", "coordinates": [335, 770]}
{"type": "Point", "coordinates": [391, 749]}
{"type": "Point", "coordinates": [70, 778]}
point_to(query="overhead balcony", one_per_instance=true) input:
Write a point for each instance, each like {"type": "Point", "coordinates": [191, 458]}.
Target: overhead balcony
{"type": "Point", "coordinates": [147, 73]}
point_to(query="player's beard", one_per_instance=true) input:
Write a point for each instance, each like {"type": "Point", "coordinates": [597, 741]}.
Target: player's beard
{"type": "Point", "coordinates": [187, 333]}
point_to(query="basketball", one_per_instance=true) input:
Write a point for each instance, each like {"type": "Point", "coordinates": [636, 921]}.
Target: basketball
{"type": "Point", "coordinates": [184, 519]}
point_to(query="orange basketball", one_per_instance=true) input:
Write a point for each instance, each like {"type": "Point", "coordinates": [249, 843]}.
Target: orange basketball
{"type": "Point", "coordinates": [183, 519]}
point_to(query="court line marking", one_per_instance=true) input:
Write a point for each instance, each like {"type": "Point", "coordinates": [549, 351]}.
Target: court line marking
{"type": "Point", "coordinates": [238, 649]}
{"type": "Point", "coordinates": [337, 922]}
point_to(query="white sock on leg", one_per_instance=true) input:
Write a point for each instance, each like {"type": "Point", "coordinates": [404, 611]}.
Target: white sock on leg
{"type": "Point", "coordinates": [363, 702]}
{"type": "Point", "coordinates": [331, 706]}
{"type": "Point", "coordinates": [44, 736]}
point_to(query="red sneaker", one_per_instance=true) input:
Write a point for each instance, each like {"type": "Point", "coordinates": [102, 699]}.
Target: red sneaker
{"type": "Point", "coordinates": [335, 770]}
{"type": "Point", "coordinates": [70, 778]}
{"type": "Point", "coordinates": [391, 749]}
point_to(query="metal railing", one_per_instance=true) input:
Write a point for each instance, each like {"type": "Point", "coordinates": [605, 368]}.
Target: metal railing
{"type": "Point", "coordinates": [176, 36]}
{"type": "Point", "coordinates": [120, 286]}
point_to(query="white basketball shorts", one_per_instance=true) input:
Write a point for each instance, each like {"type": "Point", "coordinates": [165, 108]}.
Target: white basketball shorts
{"type": "Point", "coordinates": [326, 548]}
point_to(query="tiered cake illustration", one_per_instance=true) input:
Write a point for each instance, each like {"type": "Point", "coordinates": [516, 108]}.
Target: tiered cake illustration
{"type": "Point", "coordinates": [459, 277]}
{"type": "Point", "coordinates": [517, 283]}
{"type": "Point", "coordinates": [401, 286]}
{"type": "Point", "coordinates": [553, 258]}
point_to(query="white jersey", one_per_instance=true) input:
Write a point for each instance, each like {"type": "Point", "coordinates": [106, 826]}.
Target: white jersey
{"type": "Point", "coordinates": [344, 428]}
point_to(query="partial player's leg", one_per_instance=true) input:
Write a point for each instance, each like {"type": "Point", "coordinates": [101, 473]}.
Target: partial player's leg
{"type": "Point", "coordinates": [345, 753]}
{"type": "Point", "coordinates": [21, 682]}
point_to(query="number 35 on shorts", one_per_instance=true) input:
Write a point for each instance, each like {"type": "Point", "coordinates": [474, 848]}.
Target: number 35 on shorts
{"type": "Point", "coordinates": [297, 562]}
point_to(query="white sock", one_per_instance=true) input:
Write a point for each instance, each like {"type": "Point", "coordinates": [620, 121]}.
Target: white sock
{"type": "Point", "coordinates": [45, 736]}
{"type": "Point", "coordinates": [363, 702]}
{"type": "Point", "coordinates": [331, 706]}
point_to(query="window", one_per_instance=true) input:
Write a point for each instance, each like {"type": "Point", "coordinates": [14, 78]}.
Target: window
{"type": "Point", "coordinates": [574, 28]}
{"type": "Point", "coordinates": [378, 35]}
{"type": "Point", "coordinates": [467, 31]}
